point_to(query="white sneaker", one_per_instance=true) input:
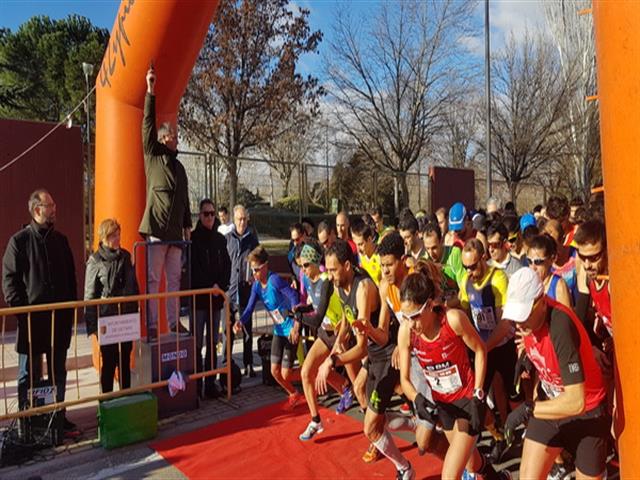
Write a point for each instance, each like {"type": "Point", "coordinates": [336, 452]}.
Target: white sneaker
{"type": "Point", "coordinates": [407, 474]}
{"type": "Point", "coordinates": [311, 430]}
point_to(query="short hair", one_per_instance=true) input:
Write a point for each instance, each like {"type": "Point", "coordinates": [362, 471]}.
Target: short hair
{"type": "Point", "coordinates": [442, 211]}
{"type": "Point", "coordinates": [417, 288]}
{"type": "Point", "coordinates": [309, 221]}
{"type": "Point", "coordinates": [431, 228]}
{"type": "Point", "coordinates": [164, 129]}
{"type": "Point", "coordinates": [223, 209]}
{"type": "Point", "coordinates": [576, 202]}
{"type": "Point", "coordinates": [555, 225]}
{"type": "Point", "coordinates": [34, 199]}
{"type": "Point", "coordinates": [537, 208]}
{"type": "Point", "coordinates": [259, 255]}
{"type": "Point", "coordinates": [391, 244]}
{"type": "Point", "coordinates": [581, 215]}
{"type": "Point", "coordinates": [362, 229]}
{"type": "Point", "coordinates": [376, 211]}
{"type": "Point", "coordinates": [368, 219]}
{"type": "Point", "coordinates": [493, 201]}
{"type": "Point", "coordinates": [297, 227]}
{"type": "Point", "coordinates": [474, 245]}
{"type": "Point", "coordinates": [326, 227]}
{"type": "Point", "coordinates": [545, 243]}
{"type": "Point", "coordinates": [558, 207]}
{"type": "Point", "coordinates": [239, 207]}
{"type": "Point", "coordinates": [497, 227]}
{"type": "Point", "coordinates": [341, 250]}
{"type": "Point", "coordinates": [511, 222]}
{"type": "Point", "coordinates": [107, 227]}
{"type": "Point", "coordinates": [408, 222]}
{"type": "Point", "coordinates": [510, 207]}
{"type": "Point", "coordinates": [530, 232]}
{"type": "Point", "coordinates": [206, 201]}
{"type": "Point", "coordinates": [592, 232]}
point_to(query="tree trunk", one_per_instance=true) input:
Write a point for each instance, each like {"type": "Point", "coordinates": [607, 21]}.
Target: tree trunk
{"type": "Point", "coordinates": [513, 191]}
{"type": "Point", "coordinates": [232, 178]}
{"type": "Point", "coordinates": [404, 191]}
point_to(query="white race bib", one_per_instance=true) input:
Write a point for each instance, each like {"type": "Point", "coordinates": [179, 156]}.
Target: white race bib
{"type": "Point", "coordinates": [484, 318]}
{"type": "Point", "coordinates": [551, 390]}
{"type": "Point", "coordinates": [276, 316]}
{"type": "Point", "coordinates": [444, 380]}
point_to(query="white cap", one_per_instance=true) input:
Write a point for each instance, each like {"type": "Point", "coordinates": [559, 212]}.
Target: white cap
{"type": "Point", "coordinates": [524, 288]}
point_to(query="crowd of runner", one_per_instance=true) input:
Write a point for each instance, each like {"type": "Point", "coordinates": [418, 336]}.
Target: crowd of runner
{"type": "Point", "coordinates": [478, 321]}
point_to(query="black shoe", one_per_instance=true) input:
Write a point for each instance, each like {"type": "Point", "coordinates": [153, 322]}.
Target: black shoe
{"type": "Point", "coordinates": [499, 446]}
{"type": "Point", "coordinates": [181, 330]}
{"type": "Point", "coordinates": [249, 372]}
{"type": "Point", "coordinates": [70, 429]}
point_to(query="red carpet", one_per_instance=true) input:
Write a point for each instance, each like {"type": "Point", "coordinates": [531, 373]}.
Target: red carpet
{"type": "Point", "coordinates": [264, 444]}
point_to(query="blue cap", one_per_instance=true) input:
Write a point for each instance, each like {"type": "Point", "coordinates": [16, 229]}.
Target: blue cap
{"type": "Point", "coordinates": [527, 220]}
{"type": "Point", "coordinates": [457, 213]}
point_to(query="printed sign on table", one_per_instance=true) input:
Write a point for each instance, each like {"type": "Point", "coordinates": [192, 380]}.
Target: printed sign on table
{"type": "Point", "coordinates": [119, 328]}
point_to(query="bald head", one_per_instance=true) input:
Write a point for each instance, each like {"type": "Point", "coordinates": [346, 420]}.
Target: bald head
{"type": "Point", "coordinates": [342, 226]}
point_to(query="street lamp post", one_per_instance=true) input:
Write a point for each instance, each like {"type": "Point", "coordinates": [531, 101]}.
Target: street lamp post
{"type": "Point", "coordinates": [87, 69]}
{"type": "Point", "coordinates": [487, 85]}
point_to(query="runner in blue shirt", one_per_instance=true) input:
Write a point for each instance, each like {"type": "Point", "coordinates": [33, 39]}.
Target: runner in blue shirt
{"type": "Point", "coordinates": [279, 299]}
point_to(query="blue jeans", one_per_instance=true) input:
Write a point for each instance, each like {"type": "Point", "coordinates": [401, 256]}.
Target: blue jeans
{"type": "Point", "coordinates": [207, 331]}
{"type": "Point", "coordinates": [59, 372]}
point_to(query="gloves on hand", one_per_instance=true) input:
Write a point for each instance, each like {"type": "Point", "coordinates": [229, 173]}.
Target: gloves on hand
{"type": "Point", "coordinates": [425, 409]}
{"type": "Point", "coordinates": [516, 418]}
{"type": "Point", "coordinates": [477, 416]}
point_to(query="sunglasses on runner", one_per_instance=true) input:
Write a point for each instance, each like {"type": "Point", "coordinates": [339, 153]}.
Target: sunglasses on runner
{"type": "Point", "coordinates": [537, 261]}
{"type": "Point", "coordinates": [257, 269]}
{"type": "Point", "coordinates": [471, 268]}
{"type": "Point", "coordinates": [306, 265]}
{"type": "Point", "coordinates": [411, 316]}
{"type": "Point", "coordinates": [591, 258]}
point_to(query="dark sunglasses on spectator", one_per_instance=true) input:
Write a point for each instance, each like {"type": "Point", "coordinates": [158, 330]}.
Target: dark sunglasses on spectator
{"type": "Point", "coordinates": [306, 265]}
{"type": "Point", "coordinates": [470, 268]}
{"type": "Point", "coordinates": [537, 261]}
{"type": "Point", "coordinates": [495, 244]}
{"type": "Point", "coordinates": [208, 214]}
{"type": "Point", "coordinates": [591, 258]}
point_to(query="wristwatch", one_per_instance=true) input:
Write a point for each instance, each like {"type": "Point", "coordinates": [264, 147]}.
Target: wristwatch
{"type": "Point", "coordinates": [478, 393]}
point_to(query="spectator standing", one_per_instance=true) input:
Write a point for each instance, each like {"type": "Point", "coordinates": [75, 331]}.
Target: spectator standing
{"type": "Point", "coordinates": [38, 268]}
{"type": "Point", "coordinates": [226, 225]}
{"type": "Point", "coordinates": [210, 267]}
{"type": "Point", "coordinates": [240, 242]}
{"type": "Point", "coordinates": [110, 273]}
{"type": "Point", "coordinates": [167, 216]}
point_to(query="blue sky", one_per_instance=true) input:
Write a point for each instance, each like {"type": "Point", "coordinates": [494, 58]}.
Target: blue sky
{"type": "Point", "coordinates": [506, 16]}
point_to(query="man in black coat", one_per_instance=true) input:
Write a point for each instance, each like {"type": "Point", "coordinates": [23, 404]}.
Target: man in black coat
{"type": "Point", "coordinates": [38, 268]}
{"type": "Point", "coordinates": [210, 267]}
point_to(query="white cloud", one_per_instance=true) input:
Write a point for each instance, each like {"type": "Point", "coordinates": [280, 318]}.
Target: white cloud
{"type": "Point", "coordinates": [473, 44]}
{"type": "Point", "coordinates": [514, 16]}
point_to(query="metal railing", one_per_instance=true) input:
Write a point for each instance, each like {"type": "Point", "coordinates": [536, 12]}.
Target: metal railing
{"type": "Point", "coordinates": [76, 305]}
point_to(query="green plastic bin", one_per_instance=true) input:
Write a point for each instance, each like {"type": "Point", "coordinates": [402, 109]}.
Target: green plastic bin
{"type": "Point", "coordinates": [127, 420]}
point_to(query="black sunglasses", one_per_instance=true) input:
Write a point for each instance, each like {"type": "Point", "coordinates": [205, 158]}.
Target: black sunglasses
{"type": "Point", "coordinates": [208, 214]}
{"type": "Point", "coordinates": [537, 261]}
{"type": "Point", "coordinates": [471, 268]}
{"type": "Point", "coordinates": [591, 258]}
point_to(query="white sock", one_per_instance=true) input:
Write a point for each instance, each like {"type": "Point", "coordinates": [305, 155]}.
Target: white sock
{"type": "Point", "coordinates": [397, 422]}
{"type": "Point", "coordinates": [388, 448]}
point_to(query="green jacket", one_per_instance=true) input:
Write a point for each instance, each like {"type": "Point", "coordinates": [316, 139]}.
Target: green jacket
{"type": "Point", "coordinates": [167, 211]}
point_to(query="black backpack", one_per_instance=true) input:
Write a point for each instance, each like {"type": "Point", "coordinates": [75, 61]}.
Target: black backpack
{"type": "Point", "coordinates": [236, 379]}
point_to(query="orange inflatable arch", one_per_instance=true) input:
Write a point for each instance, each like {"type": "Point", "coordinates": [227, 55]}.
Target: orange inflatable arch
{"type": "Point", "coordinates": [171, 32]}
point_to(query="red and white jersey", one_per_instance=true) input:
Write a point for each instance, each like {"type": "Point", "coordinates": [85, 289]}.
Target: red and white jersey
{"type": "Point", "coordinates": [562, 354]}
{"type": "Point", "coordinates": [601, 298]}
{"type": "Point", "coordinates": [445, 363]}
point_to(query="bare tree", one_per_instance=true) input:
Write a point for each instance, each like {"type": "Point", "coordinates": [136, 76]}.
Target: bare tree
{"type": "Point", "coordinates": [574, 41]}
{"type": "Point", "coordinates": [455, 145]}
{"type": "Point", "coordinates": [244, 85]}
{"type": "Point", "coordinates": [391, 82]}
{"type": "Point", "coordinates": [529, 101]}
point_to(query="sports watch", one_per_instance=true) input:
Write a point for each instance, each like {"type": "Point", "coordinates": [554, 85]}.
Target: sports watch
{"type": "Point", "coordinates": [478, 393]}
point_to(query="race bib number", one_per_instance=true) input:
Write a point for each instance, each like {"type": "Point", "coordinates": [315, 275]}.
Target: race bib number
{"type": "Point", "coordinates": [276, 316]}
{"type": "Point", "coordinates": [484, 318]}
{"type": "Point", "coordinates": [551, 390]}
{"type": "Point", "coordinates": [444, 380]}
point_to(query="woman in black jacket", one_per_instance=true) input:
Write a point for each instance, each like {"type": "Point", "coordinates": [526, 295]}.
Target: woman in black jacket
{"type": "Point", "coordinates": [110, 273]}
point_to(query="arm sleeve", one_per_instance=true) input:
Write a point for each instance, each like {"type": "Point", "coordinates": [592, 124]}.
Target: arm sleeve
{"type": "Point", "coordinates": [92, 290]}
{"type": "Point", "coordinates": [499, 287]}
{"type": "Point", "coordinates": [15, 291]}
{"type": "Point", "coordinates": [281, 285]}
{"type": "Point", "coordinates": [566, 342]}
{"type": "Point", "coordinates": [149, 132]}
{"type": "Point", "coordinates": [314, 320]}
{"type": "Point", "coordinates": [251, 304]}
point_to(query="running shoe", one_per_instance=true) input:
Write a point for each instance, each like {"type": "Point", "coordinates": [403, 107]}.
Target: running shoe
{"type": "Point", "coordinates": [505, 475]}
{"type": "Point", "coordinates": [407, 474]}
{"type": "Point", "coordinates": [311, 430]}
{"type": "Point", "coordinates": [346, 400]}
{"type": "Point", "coordinates": [498, 449]}
{"type": "Point", "coordinates": [467, 475]}
{"type": "Point", "coordinates": [405, 408]}
{"type": "Point", "coordinates": [558, 472]}
{"type": "Point", "coordinates": [293, 401]}
{"type": "Point", "coordinates": [371, 455]}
